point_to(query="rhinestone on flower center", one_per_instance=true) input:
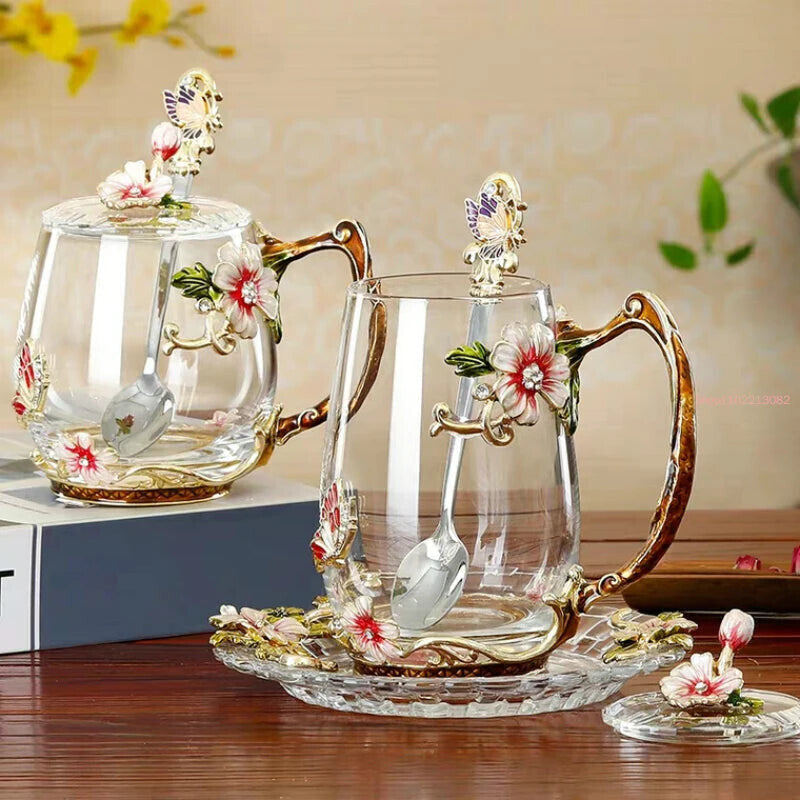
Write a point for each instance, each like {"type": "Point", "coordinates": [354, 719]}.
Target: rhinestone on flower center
{"type": "Point", "coordinates": [249, 292]}
{"type": "Point", "coordinates": [701, 687]}
{"type": "Point", "coordinates": [532, 377]}
{"type": "Point", "coordinates": [135, 191]}
{"type": "Point", "coordinates": [83, 461]}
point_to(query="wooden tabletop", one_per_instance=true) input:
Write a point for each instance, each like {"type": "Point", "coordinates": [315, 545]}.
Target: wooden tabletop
{"type": "Point", "coordinates": [163, 719]}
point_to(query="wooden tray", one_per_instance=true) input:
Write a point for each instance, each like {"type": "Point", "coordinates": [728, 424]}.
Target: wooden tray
{"type": "Point", "coordinates": [697, 590]}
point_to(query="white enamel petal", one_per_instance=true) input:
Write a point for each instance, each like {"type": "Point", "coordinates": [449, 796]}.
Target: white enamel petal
{"type": "Point", "coordinates": [506, 357]}
{"type": "Point", "coordinates": [227, 276]}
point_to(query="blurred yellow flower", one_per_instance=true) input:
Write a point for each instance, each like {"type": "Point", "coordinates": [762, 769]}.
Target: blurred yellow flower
{"type": "Point", "coordinates": [193, 11]}
{"type": "Point", "coordinates": [225, 51]}
{"type": "Point", "coordinates": [83, 65]}
{"type": "Point", "coordinates": [175, 41]}
{"type": "Point", "coordinates": [145, 18]}
{"type": "Point", "coordinates": [55, 36]}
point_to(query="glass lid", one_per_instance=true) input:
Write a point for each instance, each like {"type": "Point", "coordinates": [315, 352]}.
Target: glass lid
{"type": "Point", "coordinates": [195, 217]}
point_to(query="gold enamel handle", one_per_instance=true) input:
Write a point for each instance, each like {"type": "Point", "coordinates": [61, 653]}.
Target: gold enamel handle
{"type": "Point", "coordinates": [349, 237]}
{"type": "Point", "coordinates": [644, 311]}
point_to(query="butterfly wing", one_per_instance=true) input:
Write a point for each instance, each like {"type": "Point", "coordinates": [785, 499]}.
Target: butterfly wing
{"type": "Point", "coordinates": [187, 110]}
{"type": "Point", "coordinates": [492, 222]}
{"type": "Point", "coordinates": [471, 210]}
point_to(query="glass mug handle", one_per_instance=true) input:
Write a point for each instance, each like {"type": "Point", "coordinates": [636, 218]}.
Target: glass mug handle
{"type": "Point", "coordinates": [643, 311]}
{"type": "Point", "coordinates": [349, 237]}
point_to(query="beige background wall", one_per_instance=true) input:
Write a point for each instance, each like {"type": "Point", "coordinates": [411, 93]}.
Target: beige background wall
{"type": "Point", "coordinates": [392, 112]}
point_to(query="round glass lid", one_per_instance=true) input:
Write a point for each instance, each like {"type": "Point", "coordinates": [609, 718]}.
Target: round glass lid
{"type": "Point", "coordinates": [195, 217]}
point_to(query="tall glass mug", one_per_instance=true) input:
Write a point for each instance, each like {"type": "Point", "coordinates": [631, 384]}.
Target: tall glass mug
{"type": "Point", "coordinates": [450, 521]}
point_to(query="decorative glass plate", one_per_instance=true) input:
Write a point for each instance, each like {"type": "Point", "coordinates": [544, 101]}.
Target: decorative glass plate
{"type": "Point", "coordinates": [575, 675]}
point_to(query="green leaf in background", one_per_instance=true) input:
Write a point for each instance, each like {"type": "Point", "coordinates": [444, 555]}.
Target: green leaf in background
{"type": "Point", "coordinates": [783, 110]}
{"type": "Point", "coordinates": [786, 183]}
{"type": "Point", "coordinates": [713, 206]}
{"type": "Point", "coordinates": [470, 361]}
{"type": "Point", "coordinates": [678, 255]}
{"type": "Point", "coordinates": [739, 254]}
{"type": "Point", "coordinates": [195, 282]}
{"type": "Point", "coordinates": [750, 105]}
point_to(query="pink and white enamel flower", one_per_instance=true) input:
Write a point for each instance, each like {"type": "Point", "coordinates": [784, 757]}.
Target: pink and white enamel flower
{"type": "Point", "coordinates": [82, 459]}
{"type": "Point", "coordinates": [374, 638]}
{"type": "Point", "coordinates": [529, 367]}
{"type": "Point", "coordinates": [700, 683]}
{"type": "Point", "coordinates": [247, 286]}
{"type": "Point", "coordinates": [131, 187]}
{"type": "Point", "coordinates": [280, 631]}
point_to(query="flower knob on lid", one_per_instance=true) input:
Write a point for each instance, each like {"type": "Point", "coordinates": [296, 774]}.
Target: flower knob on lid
{"type": "Point", "coordinates": [736, 629]}
{"type": "Point", "coordinates": [495, 221]}
{"type": "Point", "coordinates": [165, 140]}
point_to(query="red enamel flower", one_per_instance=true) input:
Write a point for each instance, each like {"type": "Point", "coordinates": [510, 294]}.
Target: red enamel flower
{"type": "Point", "coordinates": [373, 637]}
{"type": "Point", "coordinates": [529, 367]}
{"type": "Point", "coordinates": [247, 287]}
{"type": "Point", "coordinates": [83, 460]}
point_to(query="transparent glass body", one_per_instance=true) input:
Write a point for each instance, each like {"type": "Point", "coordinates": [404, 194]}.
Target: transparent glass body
{"type": "Point", "coordinates": [89, 308]}
{"type": "Point", "coordinates": [516, 508]}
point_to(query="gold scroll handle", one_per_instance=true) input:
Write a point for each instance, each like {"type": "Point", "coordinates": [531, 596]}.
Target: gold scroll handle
{"type": "Point", "coordinates": [645, 311]}
{"type": "Point", "coordinates": [349, 237]}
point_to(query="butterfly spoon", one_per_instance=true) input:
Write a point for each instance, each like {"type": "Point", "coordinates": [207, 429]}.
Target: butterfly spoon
{"type": "Point", "coordinates": [140, 414]}
{"type": "Point", "coordinates": [431, 576]}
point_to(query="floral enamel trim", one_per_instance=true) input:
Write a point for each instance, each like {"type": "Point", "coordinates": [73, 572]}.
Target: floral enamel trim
{"type": "Point", "coordinates": [373, 638]}
{"type": "Point", "coordinates": [32, 373]}
{"type": "Point", "coordinates": [631, 639]}
{"type": "Point", "coordinates": [707, 686]}
{"type": "Point", "coordinates": [528, 370]}
{"type": "Point", "coordinates": [276, 634]}
{"type": "Point", "coordinates": [239, 292]}
{"type": "Point", "coordinates": [338, 524]}
{"type": "Point", "coordinates": [80, 458]}
{"type": "Point", "coordinates": [495, 222]}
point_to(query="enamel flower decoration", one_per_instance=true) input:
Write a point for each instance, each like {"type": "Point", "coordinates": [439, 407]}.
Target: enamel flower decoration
{"type": "Point", "coordinates": [247, 287]}
{"type": "Point", "coordinates": [375, 639]}
{"type": "Point", "coordinates": [529, 367]}
{"type": "Point", "coordinates": [32, 380]}
{"type": "Point", "coordinates": [132, 187]}
{"type": "Point", "coordinates": [82, 459]}
{"type": "Point", "coordinates": [699, 683]}
{"type": "Point", "coordinates": [337, 524]}
{"type": "Point", "coordinates": [280, 631]}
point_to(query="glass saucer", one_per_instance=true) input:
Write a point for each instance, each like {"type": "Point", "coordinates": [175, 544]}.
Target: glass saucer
{"type": "Point", "coordinates": [573, 676]}
{"type": "Point", "coordinates": [649, 718]}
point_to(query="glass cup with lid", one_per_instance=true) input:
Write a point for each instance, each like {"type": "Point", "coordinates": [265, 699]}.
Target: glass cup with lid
{"type": "Point", "coordinates": [146, 364]}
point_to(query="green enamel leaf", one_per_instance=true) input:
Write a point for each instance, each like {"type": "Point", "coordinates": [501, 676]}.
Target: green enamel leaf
{"type": "Point", "coordinates": [712, 203]}
{"type": "Point", "coordinates": [195, 282]}
{"type": "Point", "coordinates": [783, 109]}
{"type": "Point", "coordinates": [750, 105]}
{"type": "Point", "coordinates": [470, 361]}
{"type": "Point", "coordinates": [678, 255]}
{"type": "Point", "coordinates": [786, 183]}
{"type": "Point", "coordinates": [739, 254]}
